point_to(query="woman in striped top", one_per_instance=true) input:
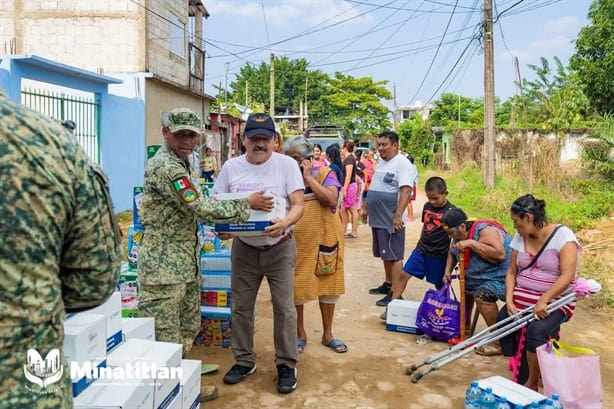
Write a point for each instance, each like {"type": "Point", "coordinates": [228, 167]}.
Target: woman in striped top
{"type": "Point", "coordinates": [539, 282]}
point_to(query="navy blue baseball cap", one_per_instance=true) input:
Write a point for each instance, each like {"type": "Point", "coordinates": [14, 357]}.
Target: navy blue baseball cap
{"type": "Point", "coordinates": [259, 125]}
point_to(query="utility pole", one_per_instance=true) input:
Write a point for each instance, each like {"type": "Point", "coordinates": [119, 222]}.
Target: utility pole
{"type": "Point", "coordinates": [306, 111]}
{"type": "Point", "coordinates": [246, 94]}
{"type": "Point", "coordinates": [459, 110]}
{"type": "Point", "coordinates": [395, 118]}
{"type": "Point", "coordinates": [226, 89]}
{"type": "Point", "coordinates": [272, 89]}
{"type": "Point", "coordinates": [489, 98]}
{"type": "Point", "coordinates": [526, 164]}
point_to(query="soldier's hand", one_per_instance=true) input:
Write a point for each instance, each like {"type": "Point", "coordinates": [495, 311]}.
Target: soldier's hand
{"type": "Point", "coordinates": [258, 201]}
{"type": "Point", "coordinates": [224, 236]}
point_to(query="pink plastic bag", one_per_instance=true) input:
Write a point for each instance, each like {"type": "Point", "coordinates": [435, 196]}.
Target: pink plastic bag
{"type": "Point", "coordinates": [573, 373]}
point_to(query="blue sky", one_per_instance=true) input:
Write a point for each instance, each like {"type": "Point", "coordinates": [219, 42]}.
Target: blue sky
{"type": "Point", "coordinates": [394, 40]}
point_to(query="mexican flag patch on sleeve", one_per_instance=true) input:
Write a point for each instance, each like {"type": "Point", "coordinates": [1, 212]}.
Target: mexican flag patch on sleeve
{"type": "Point", "coordinates": [185, 189]}
{"type": "Point", "coordinates": [181, 183]}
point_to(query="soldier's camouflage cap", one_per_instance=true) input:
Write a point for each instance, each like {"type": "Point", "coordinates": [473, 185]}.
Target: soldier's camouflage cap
{"type": "Point", "coordinates": [180, 119]}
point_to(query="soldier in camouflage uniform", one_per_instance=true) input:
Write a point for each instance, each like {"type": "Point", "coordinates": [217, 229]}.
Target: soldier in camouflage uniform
{"type": "Point", "coordinates": [59, 252]}
{"type": "Point", "coordinates": [168, 267]}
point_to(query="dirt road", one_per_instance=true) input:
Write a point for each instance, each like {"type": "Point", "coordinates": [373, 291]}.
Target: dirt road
{"type": "Point", "coordinates": [371, 373]}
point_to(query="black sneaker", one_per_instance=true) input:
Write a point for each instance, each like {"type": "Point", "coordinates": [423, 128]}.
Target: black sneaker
{"type": "Point", "coordinates": [286, 379]}
{"type": "Point", "coordinates": [382, 289]}
{"type": "Point", "coordinates": [383, 302]}
{"type": "Point", "coordinates": [237, 373]}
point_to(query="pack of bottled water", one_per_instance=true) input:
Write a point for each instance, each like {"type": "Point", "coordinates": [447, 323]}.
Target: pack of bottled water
{"type": "Point", "coordinates": [481, 396]}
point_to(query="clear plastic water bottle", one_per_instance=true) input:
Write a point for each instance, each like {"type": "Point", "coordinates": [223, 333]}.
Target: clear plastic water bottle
{"type": "Point", "coordinates": [473, 395]}
{"type": "Point", "coordinates": [534, 405]}
{"type": "Point", "coordinates": [489, 400]}
{"type": "Point", "coordinates": [556, 403]}
{"type": "Point", "coordinates": [547, 404]}
{"type": "Point", "coordinates": [502, 403]}
{"type": "Point", "coordinates": [518, 406]}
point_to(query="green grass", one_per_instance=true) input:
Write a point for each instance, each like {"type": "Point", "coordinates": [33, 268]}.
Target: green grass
{"type": "Point", "coordinates": [576, 203]}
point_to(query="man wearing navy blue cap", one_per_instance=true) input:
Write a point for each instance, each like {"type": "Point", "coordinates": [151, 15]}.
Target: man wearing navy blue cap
{"type": "Point", "coordinates": [271, 255]}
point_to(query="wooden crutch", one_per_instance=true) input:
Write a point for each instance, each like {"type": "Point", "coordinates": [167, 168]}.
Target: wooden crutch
{"type": "Point", "coordinates": [461, 280]}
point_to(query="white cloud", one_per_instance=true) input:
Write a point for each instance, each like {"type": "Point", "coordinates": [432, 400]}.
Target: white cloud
{"type": "Point", "coordinates": [552, 44]}
{"type": "Point", "coordinates": [285, 13]}
{"type": "Point", "coordinates": [554, 37]}
{"type": "Point", "coordinates": [505, 56]}
{"type": "Point", "coordinates": [565, 25]}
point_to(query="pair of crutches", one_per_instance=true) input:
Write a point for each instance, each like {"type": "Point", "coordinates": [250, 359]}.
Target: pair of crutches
{"type": "Point", "coordinates": [488, 335]}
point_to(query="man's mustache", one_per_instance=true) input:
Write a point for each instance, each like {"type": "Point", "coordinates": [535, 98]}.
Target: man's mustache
{"type": "Point", "coordinates": [259, 148]}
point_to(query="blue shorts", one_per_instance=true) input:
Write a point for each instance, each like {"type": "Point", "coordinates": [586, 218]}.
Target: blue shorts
{"type": "Point", "coordinates": [421, 266]}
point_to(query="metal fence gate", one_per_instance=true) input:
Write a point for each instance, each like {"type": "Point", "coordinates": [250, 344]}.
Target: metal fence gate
{"type": "Point", "coordinates": [84, 111]}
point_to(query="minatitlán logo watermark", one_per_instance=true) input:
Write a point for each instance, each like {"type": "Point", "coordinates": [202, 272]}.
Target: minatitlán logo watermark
{"type": "Point", "coordinates": [48, 371]}
{"type": "Point", "coordinates": [43, 372]}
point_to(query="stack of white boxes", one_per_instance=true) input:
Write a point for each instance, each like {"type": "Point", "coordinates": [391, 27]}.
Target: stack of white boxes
{"type": "Point", "coordinates": [216, 299]}
{"type": "Point", "coordinates": [117, 364]}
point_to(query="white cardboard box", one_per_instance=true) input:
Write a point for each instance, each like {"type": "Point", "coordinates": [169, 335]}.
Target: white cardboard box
{"type": "Point", "coordinates": [112, 308]}
{"type": "Point", "coordinates": [258, 220]}
{"type": "Point", "coordinates": [176, 403]}
{"type": "Point", "coordinates": [216, 280]}
{"type": "Point", "coordinates": [117, 394]}
{"type": "Point", "coordinates": [85, 343]}
{"type": "Point", "coordinates": [401, 316]}
{"type": "Point", "coordinates": [215, 261]}
{"type": "Point", "coordinates": [140, 328]}
{"type": "Point", "coordinates": [514, 393]}
{"type": "Point", "coordinates": [165, 356]}
{"type": "Point", "coordinates": [190, 384]}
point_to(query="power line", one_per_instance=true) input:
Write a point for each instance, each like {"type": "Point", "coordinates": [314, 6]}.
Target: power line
{"type": "Point", "coordinates": [266, 26]}
{"type": "Point", "coordinates": [506, 10]}
{"type": "Point", "coordinates": [317, 50]}
{"type": "Point", "coordinates": [389, 37]}
{"type": "Point", "coordinates": [434, 56]}
{"type": "Point", "coordinates": [405, 53]}
{"type": "Point", "coordinates": [452, 69]}
{"type": "Point", "coordinates": [185, 30]}
{"type": "Point", "coordinates": [359, 37]}
{"type": "Point", "coordinates": [364, 3]}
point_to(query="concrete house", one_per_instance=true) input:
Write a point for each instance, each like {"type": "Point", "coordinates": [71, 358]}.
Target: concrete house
{"type": "Point", "coordinates": [155, 47]}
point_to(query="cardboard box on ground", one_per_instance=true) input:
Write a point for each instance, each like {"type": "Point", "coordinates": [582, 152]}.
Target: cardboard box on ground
{"type": "Point", "coordinates": [401, 316]}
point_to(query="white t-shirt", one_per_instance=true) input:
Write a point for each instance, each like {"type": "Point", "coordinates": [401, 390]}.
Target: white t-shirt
{"type": "Point", "coordinates": [383, 197]}
{"type": "Point", "coordinates": [280, 174]}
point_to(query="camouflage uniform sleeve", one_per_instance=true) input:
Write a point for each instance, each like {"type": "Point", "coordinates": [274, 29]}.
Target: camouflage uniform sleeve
{"type": "Point", "coordinates": [183, 192]}
{"type": "Point", "coordinates": [89, 265]}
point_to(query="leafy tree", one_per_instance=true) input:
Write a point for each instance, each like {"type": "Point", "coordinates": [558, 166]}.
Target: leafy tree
{"type": "Point", "coordinates": [291, 77]}
{"type": "Point", "coordinates": [598, 155]}
{"type": "Point", "coordinates": [415, 137]}
{"type": "Point", "coordinates": [446, 112]}
{"type": "Point", "coordinates": [343, 100]}
{"type": "Point", "coordinates": [354, 103]}
{"type": "Point", "coordinates": [555, 98]}
{"type": "Point", "coordinates": [594, 57]}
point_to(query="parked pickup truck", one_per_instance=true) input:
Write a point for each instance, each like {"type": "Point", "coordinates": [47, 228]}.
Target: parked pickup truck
{"type": "Point", "coordinates": [325, 135]}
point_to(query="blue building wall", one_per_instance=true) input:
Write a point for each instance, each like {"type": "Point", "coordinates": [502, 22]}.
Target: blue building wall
{"type": "Point", "coordinates": [123, 153]}
{"type": "Point", "coordinates": [122, 133]}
